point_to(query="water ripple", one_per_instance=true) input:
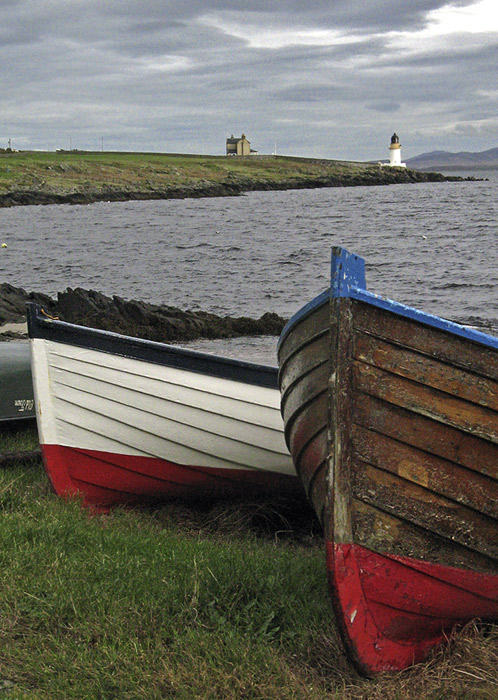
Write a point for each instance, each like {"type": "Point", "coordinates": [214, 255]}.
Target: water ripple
{"type": "Point", "coordinates": [432, 245]}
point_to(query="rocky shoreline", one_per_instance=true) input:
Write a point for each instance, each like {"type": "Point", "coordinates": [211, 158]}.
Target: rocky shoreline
{"type": "Point", "coordinates": [232, 186]}
{"type": "Point", "coordinates": [114, 194]}
{"type": "Point", "coordinates": [129, 317]}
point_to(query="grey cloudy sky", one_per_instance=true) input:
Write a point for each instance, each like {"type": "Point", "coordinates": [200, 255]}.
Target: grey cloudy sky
{"type": "Point", "coordinates": [317, 78]}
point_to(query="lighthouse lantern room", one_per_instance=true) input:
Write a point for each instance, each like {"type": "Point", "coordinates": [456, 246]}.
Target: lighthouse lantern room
{"type": "Point", "coordinates": [395, 152]}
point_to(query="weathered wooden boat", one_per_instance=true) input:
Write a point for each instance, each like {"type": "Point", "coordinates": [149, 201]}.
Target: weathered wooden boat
{"type": "Point", "coordinates": [16, 387]}
{"type": "Point", "coordinates": [125, 420]}
{"type": "Point", "coordinates": [391, 417]}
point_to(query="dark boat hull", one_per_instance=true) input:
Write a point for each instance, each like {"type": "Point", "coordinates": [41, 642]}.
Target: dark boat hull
{"type": "Point", "coordinates": [16, 386]}
{"type": "Point", "coordinates": [391, 417]}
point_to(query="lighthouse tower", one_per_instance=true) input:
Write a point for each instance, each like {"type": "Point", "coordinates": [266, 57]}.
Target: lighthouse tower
{"type": "Point", "coordinates": [395, 153]}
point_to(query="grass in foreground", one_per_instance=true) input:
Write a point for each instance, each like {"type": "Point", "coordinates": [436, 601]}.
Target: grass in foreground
{"type": "Point", "coordinates": [186, 602]}
{"type": "Point", "coordinates": [18, 437]}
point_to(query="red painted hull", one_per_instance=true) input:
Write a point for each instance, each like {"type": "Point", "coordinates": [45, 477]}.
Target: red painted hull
{"type": "Point", "coordinates": [104, 479]}
{"type": "Point", "coordinates": [391, 417]}
{"type": "Point", "coordinates": [393, 609]}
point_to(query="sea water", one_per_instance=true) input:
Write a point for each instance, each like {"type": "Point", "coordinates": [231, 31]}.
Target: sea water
{"type": "Point", "coordinates": [430, 245]}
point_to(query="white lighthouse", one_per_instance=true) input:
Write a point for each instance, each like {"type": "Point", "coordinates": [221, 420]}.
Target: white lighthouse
{"type": "Point", "coordinates": [395, 152]}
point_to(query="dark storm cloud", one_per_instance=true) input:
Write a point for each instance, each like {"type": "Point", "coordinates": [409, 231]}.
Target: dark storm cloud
{"type": "Point", "coordinates": [364, 15]}
{"type": "Point", "coordinates": [182, 75]}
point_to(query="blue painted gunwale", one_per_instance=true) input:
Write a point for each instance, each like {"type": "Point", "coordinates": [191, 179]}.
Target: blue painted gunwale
{"type": "Point", "coordinates": [348, 280]}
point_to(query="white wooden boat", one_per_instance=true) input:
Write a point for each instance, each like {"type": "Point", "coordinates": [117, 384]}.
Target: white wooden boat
{"type": "Point", "coordinates": [122, 420]}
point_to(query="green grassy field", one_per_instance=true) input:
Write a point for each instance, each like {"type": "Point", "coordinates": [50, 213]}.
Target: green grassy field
{"type": "Point", "coordinates": [68, 169]}
{"type": "Point", "coordinates": [94, 176]}
{"type": "Point", "coordinates": [212, 602]}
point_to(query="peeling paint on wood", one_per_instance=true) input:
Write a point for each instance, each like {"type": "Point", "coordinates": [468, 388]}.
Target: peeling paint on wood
{"type": "Point", "coordinates": [409, 490]}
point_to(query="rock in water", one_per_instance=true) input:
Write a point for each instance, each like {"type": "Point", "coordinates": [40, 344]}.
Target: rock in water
{"type": "Point", "coordinates": [135, 318]}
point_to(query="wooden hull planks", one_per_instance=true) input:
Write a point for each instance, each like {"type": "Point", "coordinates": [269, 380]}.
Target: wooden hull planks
{"type": "Point", "coordinates": [403, 418]}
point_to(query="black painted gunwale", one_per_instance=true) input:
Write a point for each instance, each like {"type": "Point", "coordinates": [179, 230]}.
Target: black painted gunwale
{"type": "Point", "coordinates": [44, 327]}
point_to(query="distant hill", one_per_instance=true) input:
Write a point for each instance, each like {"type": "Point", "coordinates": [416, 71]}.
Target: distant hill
{"type": "Point", "coordinates": [464, 160]}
